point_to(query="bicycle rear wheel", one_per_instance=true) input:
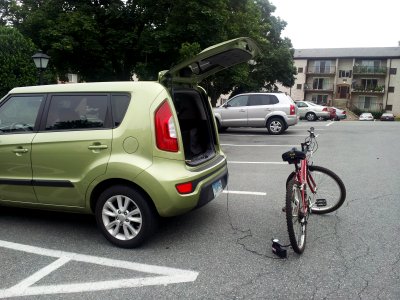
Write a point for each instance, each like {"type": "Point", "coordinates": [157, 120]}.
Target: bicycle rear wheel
{"type": "Point", "coordinates": [296, 221]}
{"type": "Point", "coordinates": [331, 191]}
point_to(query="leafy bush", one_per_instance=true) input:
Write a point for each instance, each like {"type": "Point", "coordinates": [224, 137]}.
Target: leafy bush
{"type": "Point", "coordinates": [16, 64]}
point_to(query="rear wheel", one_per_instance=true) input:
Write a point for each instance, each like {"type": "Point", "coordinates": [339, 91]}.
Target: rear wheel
{"type": "Point", "coordinates": [331, 191]}
{"type": "Point", "coordinates": [295, 218]}
{"type": "Point", "coordinates": [311, 117]}
{"type": "Point", "coordinates": [276, 126]}
{"type": "Point", "coordinates": [124, 216]}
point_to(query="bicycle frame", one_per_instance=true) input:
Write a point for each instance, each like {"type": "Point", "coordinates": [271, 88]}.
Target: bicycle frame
{"type": "Point", "coordinates": [303, 177]}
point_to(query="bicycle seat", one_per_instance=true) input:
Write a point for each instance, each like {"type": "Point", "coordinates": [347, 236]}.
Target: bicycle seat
{"type": "Point", "coordinates": [293, 156]}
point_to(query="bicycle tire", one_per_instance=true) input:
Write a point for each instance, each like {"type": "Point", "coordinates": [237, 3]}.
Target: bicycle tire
{"type": "Point", "coordinates": [330, 188]}
{"type": "Point", "coordinates": [296, 224]}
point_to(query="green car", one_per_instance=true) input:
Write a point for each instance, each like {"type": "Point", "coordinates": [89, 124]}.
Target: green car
{"type": "Point", "coordinates": [128, 152]}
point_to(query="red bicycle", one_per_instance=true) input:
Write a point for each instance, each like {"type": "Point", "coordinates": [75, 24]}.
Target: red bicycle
{"type": "Point", "coordinates": [309, 189]}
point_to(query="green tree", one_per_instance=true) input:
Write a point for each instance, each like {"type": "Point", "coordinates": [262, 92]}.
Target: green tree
{"type": "Point", "coordinates": [114, 39]}
{"type": "Point", "coordinates": [16, 65]}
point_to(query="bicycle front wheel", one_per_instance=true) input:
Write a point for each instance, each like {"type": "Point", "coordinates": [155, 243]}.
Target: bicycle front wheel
{"type": "Point", "coordinates": [330, 190]}
{"type": "Point", "coordinates": [295, 218]}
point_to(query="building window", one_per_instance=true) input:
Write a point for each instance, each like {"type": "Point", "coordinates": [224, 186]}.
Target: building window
{"type": "Point", "coordinates": [320, 84]}
{"type": "Point", "coordinates": [369, 84]}
{"type": "Point", "coordinates": [393, 71]}
{"type": "Point", "coordinates": [344, 73]}
{"type": "Point", "coordinates": [299, 70]}
{"type": "Point", "coordinates": [367, 102]}
{"type": "Point", "coordinates": [391, 89]}
{"type": "Point", "coordinates": [299, 86]}
{"type": "Point", "coordinates": [320, 99]}
{"type": "Point", "coordinates": [322, 66]}
{"type": "Point", "coordinates": [389, 107]}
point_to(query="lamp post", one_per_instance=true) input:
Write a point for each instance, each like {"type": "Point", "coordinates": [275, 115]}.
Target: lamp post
{"type": "Point", "coordinates": [41, 60]}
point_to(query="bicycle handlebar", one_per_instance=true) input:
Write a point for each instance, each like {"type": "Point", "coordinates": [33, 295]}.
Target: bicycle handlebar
{"type": "Point", "coordinates": [310, 144]}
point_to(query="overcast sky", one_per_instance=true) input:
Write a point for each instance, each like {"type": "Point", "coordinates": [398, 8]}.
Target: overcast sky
{"type": "Point", "coordinates": [340, 23]}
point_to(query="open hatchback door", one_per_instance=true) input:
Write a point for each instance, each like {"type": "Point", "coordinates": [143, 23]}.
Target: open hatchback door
{"type": "Point", "coordinates": [197, 127]}
{"type": "Point", "coordinates": [210, 61]}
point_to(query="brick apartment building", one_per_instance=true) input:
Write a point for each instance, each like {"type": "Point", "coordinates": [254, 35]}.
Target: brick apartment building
{"type": "Point", "coordinates": [366, 78]}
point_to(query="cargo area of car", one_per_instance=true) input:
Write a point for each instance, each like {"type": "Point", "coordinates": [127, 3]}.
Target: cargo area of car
{"type": "Point", "coordinates": [198, 134]}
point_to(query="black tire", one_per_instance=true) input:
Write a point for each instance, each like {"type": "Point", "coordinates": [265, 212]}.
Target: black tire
{"type": "Point", "coordinates": [276, 126]}
{"type": "Point", "coordinates": [311, 116]}
{"type": "Point", "coordinates": [124, 216]}
{"type": "Point", "coordinates": [296, 222]}
{"type": "Point", "coordinates": [330, 187]}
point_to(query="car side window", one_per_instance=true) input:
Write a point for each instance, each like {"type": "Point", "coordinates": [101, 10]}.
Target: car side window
{"type": "Point", "coordinates": [273, 99]}
{"type": "Point", "coordinates": [119, 105]}
{"type": "Point", "coordinates": [301, 104]}
{"type": "Point", "coordinates": [19, 114]}
{"type": "Point", "coordinates": [259, 100]}
{"type": "Point", "coordinates": [68, 112]}
{"type": "Point", "coordinates": [238, 101]}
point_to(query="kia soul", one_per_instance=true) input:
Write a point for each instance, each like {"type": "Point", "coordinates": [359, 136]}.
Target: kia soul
{"type": "Point", "coordinates": [127, 152]}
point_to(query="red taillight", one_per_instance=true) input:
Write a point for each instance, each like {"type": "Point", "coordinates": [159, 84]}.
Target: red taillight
{"type": "Point", "coordinates": [344, 112]}
{"type": "Point", "coordinates": [184, 188]}
{"type": "Point", "coordinates": [165, 129]}
{"type": "Point", "coordinates": [292, 109]}
{"type": "Point", "coordinates": [324, 109]}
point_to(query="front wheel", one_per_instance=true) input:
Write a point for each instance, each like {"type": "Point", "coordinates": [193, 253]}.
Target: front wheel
{"type": "Point", "coordinates": [296, 220]}
{"type": "Point", "coordinates": [330, 190]}
{"type": "Point", "coordinates": [124, 216]}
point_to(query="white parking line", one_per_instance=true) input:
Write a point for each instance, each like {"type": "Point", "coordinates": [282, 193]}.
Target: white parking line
{"type": "Point", "coordinates": [329, 124]}
{"type": "Point", "coordinates": [164, 275]}
{"type": "Point", "coordinates": [236, 145]}
{"type": "Point", "coordinates": [275, 136]}
{"type": "Point", "coordinates": [258, 162]}
{"type": "Point", "coordinates": [245, 193]}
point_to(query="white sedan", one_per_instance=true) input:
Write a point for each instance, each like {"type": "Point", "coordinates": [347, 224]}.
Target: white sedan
{"type": "Point", "coordinates": [366, 117]}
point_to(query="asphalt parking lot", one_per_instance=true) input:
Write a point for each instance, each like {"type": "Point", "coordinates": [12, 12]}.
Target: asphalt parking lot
{"type": "Point", "coordinates": [223, 250]}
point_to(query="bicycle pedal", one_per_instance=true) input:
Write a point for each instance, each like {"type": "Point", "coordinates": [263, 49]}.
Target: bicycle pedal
{"type": "Point", "coordinates": [320, 202]}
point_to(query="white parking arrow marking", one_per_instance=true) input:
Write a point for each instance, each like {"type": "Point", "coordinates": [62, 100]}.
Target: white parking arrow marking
{"type": "Point", "coordinates": [164, 275]}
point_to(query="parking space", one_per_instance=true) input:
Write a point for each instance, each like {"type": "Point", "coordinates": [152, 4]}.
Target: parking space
{"type": "Point", "coordinates": [223, 250]}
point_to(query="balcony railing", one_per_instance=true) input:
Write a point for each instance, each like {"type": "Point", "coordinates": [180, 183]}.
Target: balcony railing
{"type": "Point", "coordinates": [321, 70]}
{"type": "Point", "coordinates": [366, 70]}
{"type": "Point", "coordinates": [312, 87]}
{"type": "Point", "coordinates": [379, 89]}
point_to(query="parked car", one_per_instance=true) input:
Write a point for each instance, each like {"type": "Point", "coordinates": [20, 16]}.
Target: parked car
{"type": "Point", "coordinates": [366, 117]}
{"type": "Point", "coordinates": [332, 113]}
{"type": "Point", "coordinates": [312, 111]}
{"type": "Point", "coordinates": [340, 114]}
{"type": "Point", "coordinates": [276, 111]}
{"type": "Point", "coordinates": [387, 117]}
{"type": "Point", "coordinates": [127, 152]}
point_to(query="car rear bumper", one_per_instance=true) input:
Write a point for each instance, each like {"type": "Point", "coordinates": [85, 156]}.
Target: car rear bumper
{"type": "Point", "coordinates": [292, 120]}
{"type": "Point", "coordinates": [162, 187]}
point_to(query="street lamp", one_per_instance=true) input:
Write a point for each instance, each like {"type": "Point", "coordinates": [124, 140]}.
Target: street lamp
{"type": "Point", "coordinates": [41, 60]}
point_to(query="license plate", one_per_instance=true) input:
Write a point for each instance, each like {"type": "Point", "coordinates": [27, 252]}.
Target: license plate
{"type": "Point", "coordinates": [217, 188]}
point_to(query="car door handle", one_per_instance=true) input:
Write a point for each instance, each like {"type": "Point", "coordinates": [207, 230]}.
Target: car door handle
{"type": "Point", "coordinates": [242, 110]}
{"type": "Point", "coordinates": [20, 150]}
{"type": "Point", "coordinates": [98, 147]}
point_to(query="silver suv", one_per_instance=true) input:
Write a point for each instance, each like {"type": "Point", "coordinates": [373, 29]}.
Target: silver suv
{"type": "Point", "coordinates": [276, 111]}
